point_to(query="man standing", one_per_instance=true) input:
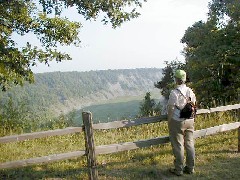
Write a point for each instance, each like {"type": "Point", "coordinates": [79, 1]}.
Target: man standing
{"type": "Point", "coordinates": [181, 129]}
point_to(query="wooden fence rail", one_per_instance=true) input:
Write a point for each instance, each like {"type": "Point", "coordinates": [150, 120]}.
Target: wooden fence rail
{"type": "Point", "coordinates": [109, 125]}
{"type": "Point", "coordinates": [112, 148]}
{"type": "Point", "coordinates": [42, 134]}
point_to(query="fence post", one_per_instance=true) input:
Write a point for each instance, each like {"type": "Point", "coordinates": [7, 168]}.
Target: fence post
{"type": "Point", "coordinates": [89, 144]}
{"type": "Point", "coordinates": [239, 139]}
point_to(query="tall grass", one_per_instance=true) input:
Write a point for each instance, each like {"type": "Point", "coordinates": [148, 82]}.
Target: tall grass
{"type": "Point", "coordinates": [216, 156]}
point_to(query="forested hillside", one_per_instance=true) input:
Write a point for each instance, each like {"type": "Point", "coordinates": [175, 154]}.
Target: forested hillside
{"type": "Point", "coordinates": [61, 92]}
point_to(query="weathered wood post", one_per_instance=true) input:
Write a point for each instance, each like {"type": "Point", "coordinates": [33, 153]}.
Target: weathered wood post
{"type": "Point", "coordinates": [238, 118]}
{"type": "Point", "coordinates": [239, 139]}
{"type": "Point", "coordinates": [89, 144]}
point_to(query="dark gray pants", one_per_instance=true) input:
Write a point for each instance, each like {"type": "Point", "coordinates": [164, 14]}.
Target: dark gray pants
{"type": "Point", "coordinates": [181, 136]}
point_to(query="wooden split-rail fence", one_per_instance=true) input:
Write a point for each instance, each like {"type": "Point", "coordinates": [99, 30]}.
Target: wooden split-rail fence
{"type": "Point", "coordinates": [91, 151]}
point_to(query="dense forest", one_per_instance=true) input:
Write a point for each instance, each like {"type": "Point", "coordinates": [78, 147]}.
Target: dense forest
{"type": "Point", "coordinates": [60, 92]}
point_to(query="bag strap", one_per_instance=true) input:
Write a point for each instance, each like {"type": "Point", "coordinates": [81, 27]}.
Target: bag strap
{"type": "Point", "coordinates": [188, 100]}
{"type": "Point", "coordinates": [183, 95]}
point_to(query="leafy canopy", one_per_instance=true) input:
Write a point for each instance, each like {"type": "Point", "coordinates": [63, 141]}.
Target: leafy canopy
{"type": "Point", "coordinates": [43, 19]}
{"type": "Point", "coordinates": [212, 53]}
{"type": "Point", "coordinates": [212, 56]}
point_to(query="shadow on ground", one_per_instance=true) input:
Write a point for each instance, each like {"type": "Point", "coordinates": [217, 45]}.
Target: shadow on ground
{"type": "Point", "coordinates": [135, 169]}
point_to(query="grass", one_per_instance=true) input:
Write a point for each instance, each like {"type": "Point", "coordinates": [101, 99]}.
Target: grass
{"type": "Point", "coordinates": [126, 107]}
{"type": "Point", "coordinates": [216, 156]}
{"type": "Point", "coordinates": [114, 111]}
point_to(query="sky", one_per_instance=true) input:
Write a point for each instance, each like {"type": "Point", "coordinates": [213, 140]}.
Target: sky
{"type": "Point", "coordinates": [145, 42]}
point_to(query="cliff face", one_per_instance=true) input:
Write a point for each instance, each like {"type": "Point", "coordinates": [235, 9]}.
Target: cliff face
{"type": "Point", "coordinates": [64, 91]}
{"type": "Point", "coordinates": [106, 85]}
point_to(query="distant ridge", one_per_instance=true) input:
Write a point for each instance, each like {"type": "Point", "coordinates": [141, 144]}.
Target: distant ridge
{"type": "Point", "coordinates": [61, 92]}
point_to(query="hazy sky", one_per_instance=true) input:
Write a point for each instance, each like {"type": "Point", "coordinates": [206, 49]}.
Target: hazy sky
{"type": "Point", "coordinates": [144, 42]}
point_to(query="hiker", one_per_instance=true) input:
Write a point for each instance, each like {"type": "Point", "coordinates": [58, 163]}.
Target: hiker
{"type": "Point", "coordinates": [181, 129]}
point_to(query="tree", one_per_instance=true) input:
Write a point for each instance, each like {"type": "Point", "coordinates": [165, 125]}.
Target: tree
{"type": "Point", "coordinates": [167, 82]}
{"type": "Point", "coordinates": [212, 56]}
{"type": "Point", "coordinates": [212, 52]}
{"type": "Point", "coordinates": [43, 19]}
{"type": "Point", "coordinates": [149, 107]}
{"type": "Point", "coordinates": [14, 117]}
